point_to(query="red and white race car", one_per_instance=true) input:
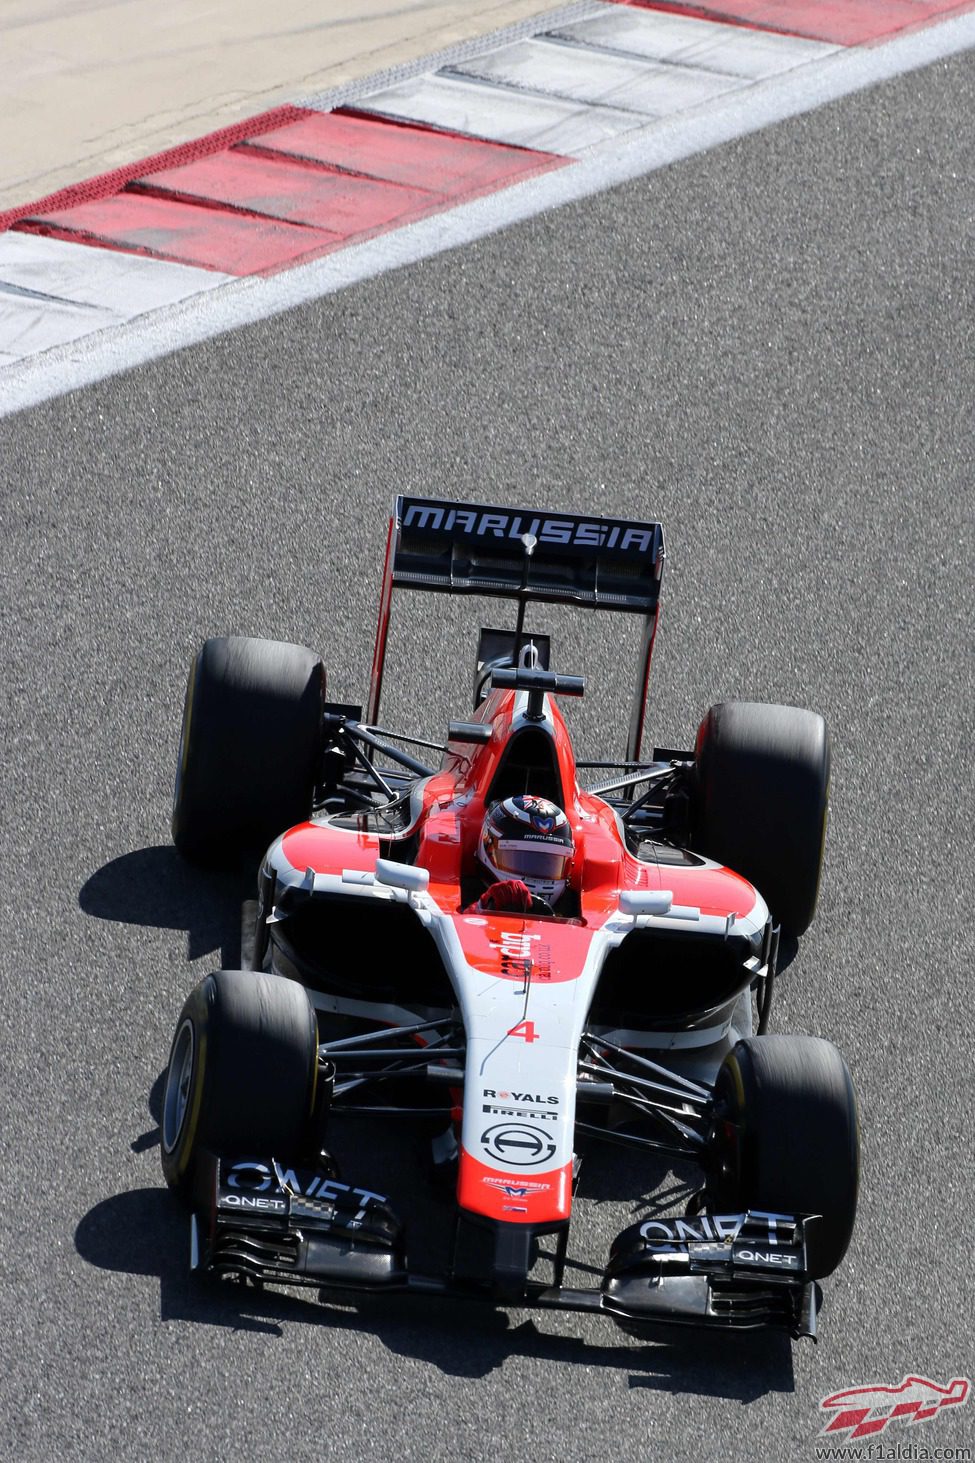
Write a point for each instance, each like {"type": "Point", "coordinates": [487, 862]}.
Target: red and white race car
{"type": "Point", "coordinates": [525, 951]}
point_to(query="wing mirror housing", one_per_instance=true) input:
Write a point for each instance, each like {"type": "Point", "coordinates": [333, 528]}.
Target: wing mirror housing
{"type": "Point", "coordinates": [646, 901]}
{"type": "Point", "coordinates": [402, 876]}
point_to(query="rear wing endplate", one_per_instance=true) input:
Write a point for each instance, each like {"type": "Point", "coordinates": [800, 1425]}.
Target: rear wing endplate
{"type": "Point", "coordinates": [578, 559]}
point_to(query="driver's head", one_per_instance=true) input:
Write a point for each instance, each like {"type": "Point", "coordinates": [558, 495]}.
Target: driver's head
{"type": "Point", "coordinates": [528, 838]}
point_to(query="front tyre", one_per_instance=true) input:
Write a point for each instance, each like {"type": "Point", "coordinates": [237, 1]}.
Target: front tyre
{"type": "Point", "coordinates": [786, 1139]}
{"type": "Point", "coordinates": [242, 1073]}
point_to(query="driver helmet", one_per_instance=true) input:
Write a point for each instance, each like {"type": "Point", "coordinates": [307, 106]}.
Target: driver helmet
{"type": "Point", "coordinates": [528, 838]}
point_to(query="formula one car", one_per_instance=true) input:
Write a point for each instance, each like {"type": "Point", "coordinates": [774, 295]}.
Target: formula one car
{"type": "Point", "coordinates": [630, 1006]}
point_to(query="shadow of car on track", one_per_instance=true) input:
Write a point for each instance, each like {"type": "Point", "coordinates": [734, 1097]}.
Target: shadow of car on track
{"type": "Point", "coordinates": [144, 1232]}
{"type": "Point", "coordinates": [472, 1341]}
{"type": "Point", "coordinates": [154, 886]}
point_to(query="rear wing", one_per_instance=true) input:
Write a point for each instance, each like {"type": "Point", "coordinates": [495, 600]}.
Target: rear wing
{"type": "Point", "coordinates": [471, 548]}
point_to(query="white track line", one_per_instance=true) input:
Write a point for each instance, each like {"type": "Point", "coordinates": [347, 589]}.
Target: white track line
{"type": "Point", "coordinates": [249, 300]}
{"type": "Point", "coordinates": [499, 114]}
{"type": "Point", "coordinates": [53, 292]}
{"type": "Point", "coordinates": [576, 85]}
{"type": "Point", "coordinates": [681, 40]}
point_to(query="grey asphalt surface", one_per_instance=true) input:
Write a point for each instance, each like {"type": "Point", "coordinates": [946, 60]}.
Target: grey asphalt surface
{"type": "Point", "coordinates": [770, 347]}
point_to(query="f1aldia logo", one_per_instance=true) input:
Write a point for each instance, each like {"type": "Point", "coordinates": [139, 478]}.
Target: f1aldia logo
{"type": "Point", "coordinates": [863, 1412]}
{"type": "Point", "coordinates": [517, 1145]}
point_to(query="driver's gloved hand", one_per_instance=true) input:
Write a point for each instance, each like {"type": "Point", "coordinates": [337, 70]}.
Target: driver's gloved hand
{"type": "Point", "coordinates": [510, 896]}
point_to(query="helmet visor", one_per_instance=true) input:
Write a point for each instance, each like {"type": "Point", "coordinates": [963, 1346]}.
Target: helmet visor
{"type": "Point", "coordinates": [531, 860]}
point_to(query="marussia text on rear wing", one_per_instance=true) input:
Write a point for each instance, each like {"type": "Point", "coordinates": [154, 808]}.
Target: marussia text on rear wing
{"type": "Point", "coordinates": [525, 555]}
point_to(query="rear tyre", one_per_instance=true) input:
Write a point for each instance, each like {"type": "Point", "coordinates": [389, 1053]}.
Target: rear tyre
{"type": "Point", "coordinates": [786, 1139]}
{"type": "Point", "coordinates": [761, 801]}
{"type": "Point", "coordinates": [242, 1073]}
{"type": "Point", "coordinates": [250, 747]}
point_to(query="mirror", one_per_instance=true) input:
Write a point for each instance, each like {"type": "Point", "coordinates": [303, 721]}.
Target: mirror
{"type": "Point", "coordinates": [646, 901]}
{"type": "Point", "coordinates": [401, 876]}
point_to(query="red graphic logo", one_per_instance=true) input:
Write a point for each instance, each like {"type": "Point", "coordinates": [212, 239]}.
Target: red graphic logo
{"type": "Point", "coordinates": [862, 1412]}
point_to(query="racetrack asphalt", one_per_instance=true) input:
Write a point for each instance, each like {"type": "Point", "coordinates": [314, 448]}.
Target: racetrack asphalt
{"type": "Point", "coordinates": [770, 347]}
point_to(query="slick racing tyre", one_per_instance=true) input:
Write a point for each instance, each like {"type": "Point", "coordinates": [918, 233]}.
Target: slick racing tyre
{"type": "Point", "coordinates": [242, 1073]}
{"type": "Point", "coordinates": [250, 747]}
{"type": "Point", "coordinates": [761, 799]}
{"type": "Point", "coordinates": [786, 1139]}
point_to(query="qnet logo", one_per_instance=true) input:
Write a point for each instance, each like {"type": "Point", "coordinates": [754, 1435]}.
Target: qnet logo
{"type": "Point", "coordinates": [863, 1412]}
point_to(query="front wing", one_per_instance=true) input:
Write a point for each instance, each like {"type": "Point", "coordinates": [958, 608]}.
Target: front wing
{"type": "Point", "coordinates": [257, 1220]}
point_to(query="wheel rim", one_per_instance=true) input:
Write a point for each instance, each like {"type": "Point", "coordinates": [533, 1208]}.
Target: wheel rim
{"type": "Point", "coordinates": [179, 1080]}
